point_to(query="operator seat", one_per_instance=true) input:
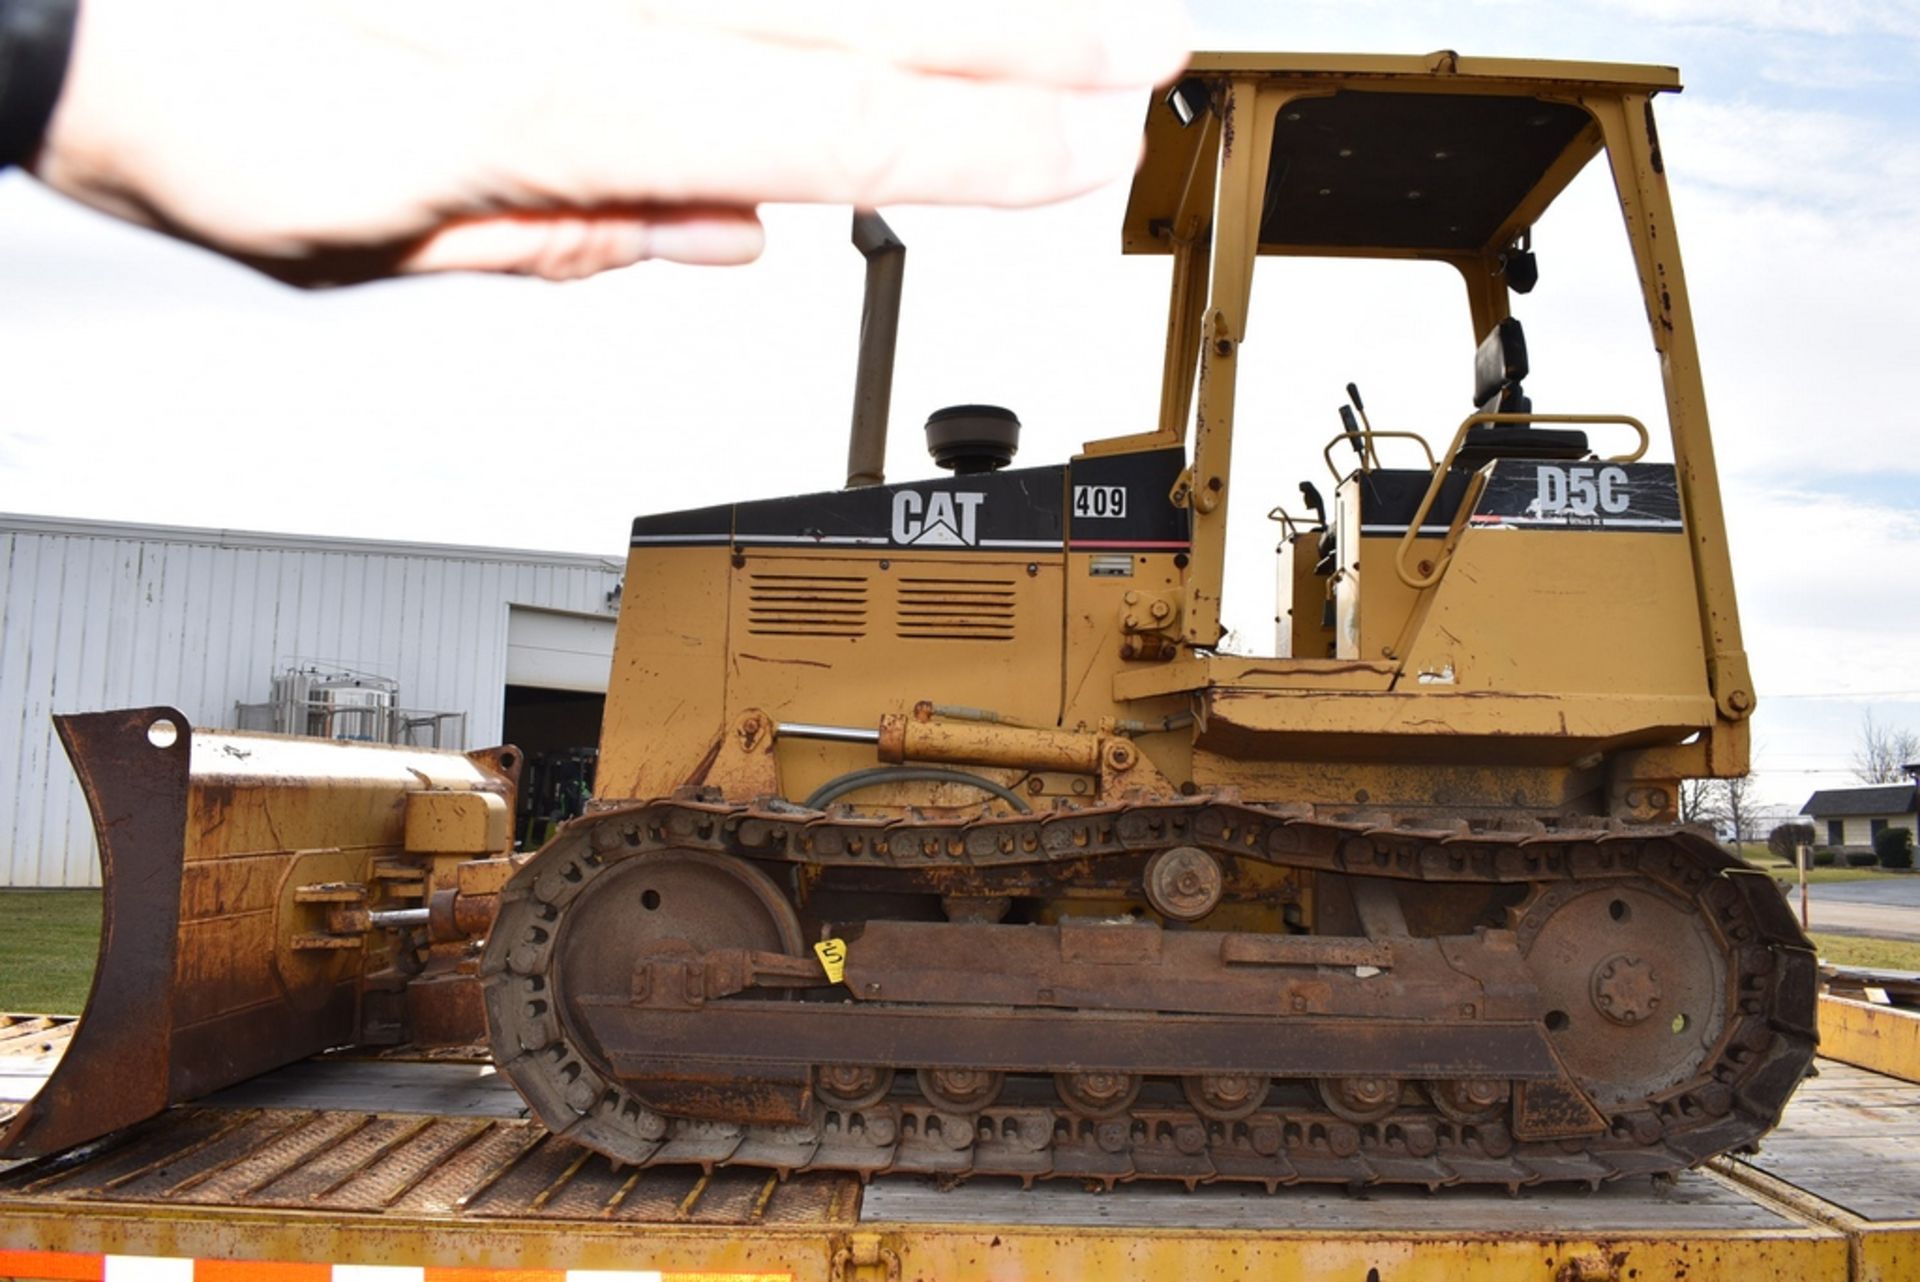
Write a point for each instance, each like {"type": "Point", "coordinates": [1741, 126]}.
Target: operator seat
{"type": "Point", "coordinates": [1498, 366]}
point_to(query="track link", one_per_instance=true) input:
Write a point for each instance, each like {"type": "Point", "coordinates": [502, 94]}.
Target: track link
{"type": "Point", "coordinates": [1733, 1096]}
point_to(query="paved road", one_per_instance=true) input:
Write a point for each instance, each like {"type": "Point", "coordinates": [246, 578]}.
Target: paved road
{"type": "Point", "coordinates": [1889, 908]}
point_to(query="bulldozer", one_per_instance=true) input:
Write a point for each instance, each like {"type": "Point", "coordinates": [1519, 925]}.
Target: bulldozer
{"type": "Point", "coordinates": [935, 831]}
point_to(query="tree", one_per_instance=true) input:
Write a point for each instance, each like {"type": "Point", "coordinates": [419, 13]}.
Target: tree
{"type": "Point", "coordinates": [1720, 803]}
{"type": "Point", "coordinates": [1738, 803]}
{"type": "Point", "coordinates": [1884, 752]}
{"type": "Point", "coordinates": [1698, 803]}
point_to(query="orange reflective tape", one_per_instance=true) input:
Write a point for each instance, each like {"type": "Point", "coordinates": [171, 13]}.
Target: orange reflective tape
{"type": "Point", "coordinates": [493, 1275]}
{"type": "Point", "coordinates": [259, 1271]}
{"type": "Point", "coordinates": [60, 1265]}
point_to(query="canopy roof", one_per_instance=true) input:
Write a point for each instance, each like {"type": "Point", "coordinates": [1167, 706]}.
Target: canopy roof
{"type": "Point", "coordinates": [1396, 156]}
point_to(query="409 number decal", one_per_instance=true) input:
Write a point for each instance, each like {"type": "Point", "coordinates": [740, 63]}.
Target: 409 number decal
{"type": "Point", "coordinates": [1099, 500]}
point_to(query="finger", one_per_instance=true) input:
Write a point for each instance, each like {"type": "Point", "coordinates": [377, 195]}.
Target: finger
{"type": "Point", "coordinates": [1080, 44]}
{"type": "Point", "coordinates": [573, 245]}
{"type": "Point", "coordinates": [820, 125]}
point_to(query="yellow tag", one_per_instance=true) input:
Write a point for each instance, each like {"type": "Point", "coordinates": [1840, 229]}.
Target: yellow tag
{"type": "Point", "coordinates": [833, 958]}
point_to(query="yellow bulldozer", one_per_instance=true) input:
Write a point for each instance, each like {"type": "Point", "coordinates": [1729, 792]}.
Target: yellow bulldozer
{"type": "Point", "coordinates": [934, 831]}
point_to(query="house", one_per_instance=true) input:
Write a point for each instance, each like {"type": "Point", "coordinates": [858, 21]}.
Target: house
{"type": "Point", "coordinates": [1852, 817]}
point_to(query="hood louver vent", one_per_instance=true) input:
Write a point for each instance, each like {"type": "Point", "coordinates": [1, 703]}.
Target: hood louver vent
{"type": "Point", "coordinates": [807, 605]}
{"type": "Point", "coordinates": [955, 610]}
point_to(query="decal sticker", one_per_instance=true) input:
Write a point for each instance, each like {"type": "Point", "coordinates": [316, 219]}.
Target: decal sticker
{"type": "Point", "coordinates": [944, 518]}
{"type": "Point", "coordinates": [1099, 501]}
{"type": "Point", "coordinates": [1639, 498]}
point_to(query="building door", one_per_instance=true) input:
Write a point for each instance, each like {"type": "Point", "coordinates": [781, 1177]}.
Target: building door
{"type": "Point", "coordinates": [556, 693]}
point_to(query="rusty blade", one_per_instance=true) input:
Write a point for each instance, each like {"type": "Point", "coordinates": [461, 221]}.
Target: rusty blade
{"type": "Point", "coordinates": [217, 962]}
{"type": "Point", "coordinates": [115, 1071]}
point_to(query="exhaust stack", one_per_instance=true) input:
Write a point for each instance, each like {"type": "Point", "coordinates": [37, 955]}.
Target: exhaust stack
{"type": "Point", "coordinates": [886, 257]}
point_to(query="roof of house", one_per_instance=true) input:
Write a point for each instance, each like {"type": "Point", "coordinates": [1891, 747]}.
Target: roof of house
{"type": "Point", "coordinates": [1884, 799]}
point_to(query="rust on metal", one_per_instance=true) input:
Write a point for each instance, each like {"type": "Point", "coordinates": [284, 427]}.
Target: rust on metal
{"type": "Point", "coordinates": [1291, 1058]}
{"type": "Point", "coordinates": [116, 1071]}
{"type": "Point", "coordinates": [238, 871]}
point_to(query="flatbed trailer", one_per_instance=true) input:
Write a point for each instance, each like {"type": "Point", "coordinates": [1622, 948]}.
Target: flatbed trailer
{"type": "Point", "coordinates": [427, 1168]}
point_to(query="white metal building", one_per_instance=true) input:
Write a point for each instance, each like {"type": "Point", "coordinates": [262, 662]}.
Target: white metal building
{"type": "Point", "coordinates": [96, 615]}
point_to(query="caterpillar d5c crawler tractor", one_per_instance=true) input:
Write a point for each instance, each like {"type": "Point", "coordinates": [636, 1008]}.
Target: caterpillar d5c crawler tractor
{"type": "Point", "coordinates": [933, 834]}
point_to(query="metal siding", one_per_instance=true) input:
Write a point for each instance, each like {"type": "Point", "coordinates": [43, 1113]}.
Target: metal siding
{"type": "Point", "coordinates": [240, 661]}
{"type": "Point", "coordinates": [15, 621]}
{"type": "Point", "coordinates": [58, 832]}
{"type": "Point", "coordinates": [41, 681]}
{"type": "Point", "coordinates": [206, 618]}
{"type": "Point", "coordinates": [96, 616]}
{"type": "Point", "coordinates": [344, 607]}
{"type": "Point", "coordinates": [168, 606]}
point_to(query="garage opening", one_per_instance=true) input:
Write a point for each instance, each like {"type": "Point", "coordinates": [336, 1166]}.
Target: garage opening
{"type": "Point", "coordinates": [559, 733]}
{"type": "Point", "coordinates": [555, 698]}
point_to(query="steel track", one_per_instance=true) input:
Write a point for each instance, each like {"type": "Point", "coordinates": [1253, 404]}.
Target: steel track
{"type": "Point", "coordinates": [1734, 1097]}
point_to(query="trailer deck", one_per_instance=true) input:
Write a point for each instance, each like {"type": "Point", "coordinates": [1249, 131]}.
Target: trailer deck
{"type": "Point", "coordinates": [431, 1165]}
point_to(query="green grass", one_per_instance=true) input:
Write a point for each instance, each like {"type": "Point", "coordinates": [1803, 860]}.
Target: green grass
{"type": "Point", "coordinates": [48, 939]}
{"type": "Point", "coordinates": [1786, 876]}
{"type": "Point", "coordinates": [1880, 954]}
{"type": "Point", "coordinates": [1782, 869]}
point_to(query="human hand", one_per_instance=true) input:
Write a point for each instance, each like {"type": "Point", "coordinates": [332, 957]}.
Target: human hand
{"type": "Point", "coordinates": [325, 141]}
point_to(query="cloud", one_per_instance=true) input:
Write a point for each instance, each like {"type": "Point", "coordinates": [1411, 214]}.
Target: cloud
{"type": "Point", "coordinates": [1805, 17]}
{"type": "Point", "coordinates": [1852, 168]}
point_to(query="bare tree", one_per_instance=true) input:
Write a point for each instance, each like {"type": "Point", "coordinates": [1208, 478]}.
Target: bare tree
{"type": "Point", "coordinates": [1720, 804]}
{"type": "Point", "coordinates": [1700, 802]}
{"type": "Point", "coordinates": [1738, 803]}
{"type": "Point", "coordinates": [1884, 752]}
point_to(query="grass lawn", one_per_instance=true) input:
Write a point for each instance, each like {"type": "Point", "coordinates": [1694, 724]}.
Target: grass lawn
{"type": "Point", "coordinates": [1880, 954]}
{"type": "Point", "coordinates": [1782, 870]}
{"type": "Point", "coordinates": [1786, 876]}
{"type": "Point", "coordinates": [48, 939]}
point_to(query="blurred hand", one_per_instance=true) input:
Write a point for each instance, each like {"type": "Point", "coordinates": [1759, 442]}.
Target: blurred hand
{"type": "Point", "coordinates": [333, 140]}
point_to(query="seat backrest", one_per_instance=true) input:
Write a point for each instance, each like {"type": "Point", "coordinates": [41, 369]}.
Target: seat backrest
{"type": "Point", "coordinates": [1498, 366]}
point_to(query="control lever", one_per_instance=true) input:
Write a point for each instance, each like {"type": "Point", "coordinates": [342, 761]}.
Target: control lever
{"type": "Point", "coordinates": [1353, 433]}
{"type": "Point", "coordinates": [1311, 497]}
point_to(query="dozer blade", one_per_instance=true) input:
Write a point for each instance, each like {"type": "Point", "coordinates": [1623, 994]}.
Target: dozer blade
{"type": "Point", "coordinates": [233, 866]}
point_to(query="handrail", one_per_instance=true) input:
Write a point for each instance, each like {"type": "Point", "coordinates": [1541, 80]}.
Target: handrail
{"type": "Point", "coordinates": [1289, 524]}
{"type": "Point", "coordinates": [1420, 583]}
{"type": "Point", "coordinates": [1368, 435]}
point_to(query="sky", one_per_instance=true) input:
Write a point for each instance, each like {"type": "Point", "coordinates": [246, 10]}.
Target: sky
{"type": "Point", "coordinates": [148, 381]}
